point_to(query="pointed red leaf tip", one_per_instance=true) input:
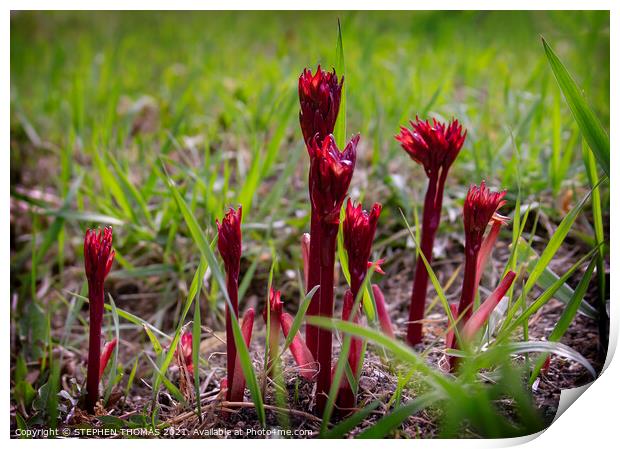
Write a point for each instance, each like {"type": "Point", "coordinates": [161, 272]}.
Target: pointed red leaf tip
{"type": "Point", "coordinates": [247, 323]}
{"type": "Point", "coordinates": [229, 240]}
{"type": "Point", "coordinates": [98, 255]}
{"type": "Point", "coordinates": [305, 255]}
{"type": "Point", "coordinates": [480, 206]}
{"type": "Point", "coordinates": [330, 175]}
{"type": "Point", "coordinates": [108, 348]}
{"type": "Point", "coordinates": [238, 383]}
{"type": "Point", "coordinates": [435, 145]}
{"type": "Point", "coordinates": [477, 320]}
{"type": "Point", "coordinates": [384, 317]}
{"type": "Point", "coordinates": [377, 266]}
{"type": "Point", "coordinates": [319, 98]}
{"type": "Point", "coordinates": [299, 349]}
{"type": "Point", "coordinates": [186, 349]}
{"type": "Point", "coordinates": [274, 304]}
{"type": "Point", "coordinates": [358, 230]}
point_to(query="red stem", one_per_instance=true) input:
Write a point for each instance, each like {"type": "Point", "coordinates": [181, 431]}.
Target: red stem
{"type": "Point", "coordinates": [314, 279]}
{"type": "Point", "coordinates": [231, 349]}
{"type": "Point", "coordinates": [96, 299]}
{"type": "Point", "coordinates": [468, 293]}
{"type": "Point", "coordinates": [430, 223]}
{"type": "Point", "coordinates": [236, 390]}
{"type": "Point", "coordinates": [329, 232]}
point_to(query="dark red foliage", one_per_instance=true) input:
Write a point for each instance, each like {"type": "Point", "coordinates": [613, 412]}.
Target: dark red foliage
{"type": "Point", "coordinates": [382, 313]}
{"type": "Point", "coordinates": [359, 228]}
{"type": "Point", "coordinates": [108, 348]}
{"type": "Point", "coordinates": [478, 209]}
{"type": "Point", "coordinates": [433, 146]}
{"type": "Point", "coordinates": [98, 255]}
{"type": "Point", "coordinates": [319, 98]}
{"type": "Point", "coordinates": [330, 175]}
{"type": "Point", "coordinates": [274, 304]}
{"type": "Point", "coordinates": [185, 349]}
{"type": "Point", "coordinates": [229, 241]}
{"type": "Point", "coordinates": [229, 246]}
{"type": "Point", "coordinates": [98, 258]}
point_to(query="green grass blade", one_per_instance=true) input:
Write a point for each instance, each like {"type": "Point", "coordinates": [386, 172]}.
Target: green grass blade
{"type": "Point", "coordinates": [89, 217]}
{"type": "Point", "coordinates": [169, 385]}
{"type": "Point", "coordinates": [340, 130]}
{"type": "Point", "coordinates": [53, 383]}
{"type": "Point", "coordinates": [132, 375]}
{"type": "Point", "coordinates": [242, 350]}
{"type": "Point", "coordinates": [554, 347]}
{"type": "Point", "coordinates": [126, 315]}
{"type": "Point", "coordinates": [247, 277]}
{"type": "Point", "coordinates": [343, 363]}
{"type": "Point", "coordinates": [192, 294]}
{"type": "Point", "coordinates": [342, 428]}
{"type": "Point", "coordinates": [114, 361]}
{"type": "Point", "coordinates": [196, 336]}
{"type": "Point", "coordinates": [400, 350]}
{"type": "Point", "coordinates": [589, 124]}
{"type": "Point", "coordinates": [548, 278]}
{"type": "Point", "coordinates": [51, 235]}
{"type": "Point", "coordinates": [554, 244]}
{"type": "Point", "coordinates": [599, 233]}
{"type": "Point", "coordinates": [299, 318]}
{"type": "Point", "coordinates": [568, 315]}
{"type": "Point", "coordinates": [389, 422]}
{"type": "Point", "coordinates": [510, 324]}
{"type": "Point", "coordinates": [436, 284]}
{"type": "Point", "coordinates": [282, 120]}
{"type": "Point", "coordinates": [154, 341]}
{"type": "Point", "coordinates": [130, 191]}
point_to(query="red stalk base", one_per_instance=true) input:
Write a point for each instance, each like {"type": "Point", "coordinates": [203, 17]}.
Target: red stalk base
{"type": "Point", "coordinates": [329, 233]}
{"type": "Point", "coordinates": [470, 287]}
{"type": "Point", "coordinates": [231, 349]}
{"type": "Point", "coordinates": [94, 348]}
{"type": "Point", "coordinates": [430, 222]}
{"type": "Point", "coordinates": [314, 279]}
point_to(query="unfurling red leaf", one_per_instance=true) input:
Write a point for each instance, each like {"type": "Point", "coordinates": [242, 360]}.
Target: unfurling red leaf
{"type": "Point", "coordinates": [108, 348]}
{"type": "Point", "coordinates": [481, 315]}
{"type": "Point", "coordinates": [384, 318]}
{"type": "Point", "coordinates": [301, 353]}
